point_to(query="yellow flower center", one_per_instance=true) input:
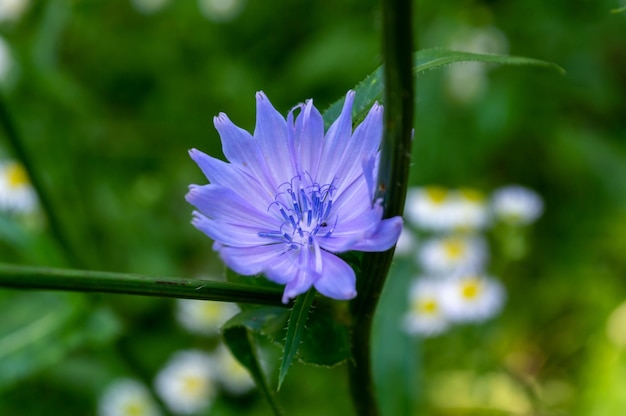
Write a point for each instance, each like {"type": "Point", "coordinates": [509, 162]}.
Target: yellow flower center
{"type": "Point", "coordinates": [472, 195]}
{"type": "Point", "coordinates": [454, 249]}
{"type": "Point", "coordinates": [210, 311]}
{"type": "Point", "coordinates": [134, 408]}
{"type": "Point", "coordinates": [436, 194]}
{"type": "Point", "coordinates": [195, 386]}
{"type": "Point", "coordinates": [17, 175]}
{"type": "Point", "coordinates": [471, 289]}
{"type": "Point", "coordinates": [427, 307]}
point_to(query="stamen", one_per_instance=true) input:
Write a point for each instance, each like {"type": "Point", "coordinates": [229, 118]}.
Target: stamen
{"type": "Point", "coordinates": [305, 211]}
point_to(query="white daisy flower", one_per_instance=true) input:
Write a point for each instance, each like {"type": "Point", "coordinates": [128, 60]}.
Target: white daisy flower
{"type": "Point", "coordinates": [471, 297]}
{"type": "Point", "coordinates": [516, 205]}
{"type": "Point", "coordinates": [12, 10]}
{"type": "Point", "coordinates": [428, 208]}
{"type": "Point", "coordinates": [204, 317]}
{"type": "Point", "coordinates": [221, 10]}
{"type": "Point", "coordinates": [16, 193]}
{"type": "Point", "coordinates": [187, 382]}
{"type": "Point", "coordinates": [425, 315]}
{"type": "Point", "coordinates": [233, 376]}
{"type": "Point", "coordinates": [468, 210]}
{"type": "Point", "coordinates": [451, 254]}
{"type": "Point", "coordinates": [127, 397]}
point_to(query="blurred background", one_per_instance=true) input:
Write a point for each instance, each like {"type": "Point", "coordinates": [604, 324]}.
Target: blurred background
{"type": "Point", "coordinates": [108, 96]}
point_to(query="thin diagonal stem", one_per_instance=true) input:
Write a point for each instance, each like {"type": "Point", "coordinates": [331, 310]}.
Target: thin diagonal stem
{"type": "Point", "coordinates": [392, 185]}
{"type": "Point", "coordinates": [16, 143]}
{"type": "Point", "coordinates": [46, 278]}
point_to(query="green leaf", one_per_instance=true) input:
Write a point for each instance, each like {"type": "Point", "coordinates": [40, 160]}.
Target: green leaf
{"type": "Point", "coordinates": [31, 333]}
{"type": "Point", "coordinates": [238, 335]}
{"type": "Point", "coordinates": [428, 59]}
{"type": "Point", "coordinates": [326, 341]}
{"type": "Point", "coordinates": [371, 88]}
{"type": "Point", "coordinates": [39, 329]}
{"type": "Point", "coordinates": [295, 328]}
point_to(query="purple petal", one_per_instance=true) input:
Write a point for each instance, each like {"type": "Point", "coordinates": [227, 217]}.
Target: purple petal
{"type": "Point", "coordinates": [229, 176]}
{"type": "Point", "coordinates": [352, 200]}
{"type": "Point", "coordinates": [292, 269]}
{"type": "Point", "coordinates": [228, 234]}
{"type": "Point", "coordinates": [346, 235]}
{"type": "Point", "coordinates": [238, 145]}
{"type": "Point", "coordinates": [309, 138]}
{"type": "Point", "coordinates": [300, 269]}
{"type": "Point", "coordinates": [225, 205]}
{"type": "Point", "coordinates": [274, 139]}
{"type": "Point", "coordinates": [363, 146]}
{"type": "Point", "coordinates": [385, 236]}
{"type": "Point", "coordinates": [337, 140]}
{"type": "Point", "coordinates": [338, 280]}
{"type": "Point", "coordinates": [251, 260]}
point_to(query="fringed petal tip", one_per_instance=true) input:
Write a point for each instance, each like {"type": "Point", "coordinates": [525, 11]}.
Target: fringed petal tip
{"type": "Point", "coordinates": [221, 118]}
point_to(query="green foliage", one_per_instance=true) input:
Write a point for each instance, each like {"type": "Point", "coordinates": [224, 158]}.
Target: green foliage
{"type": "Point", "coordinates": [109, 125]}
{"type": "Point", "coordinates": [39, 329]}
{"type": "Point", "coordinates": [296, 328]}
{"type": "Point", "coordinates": [239, 333]}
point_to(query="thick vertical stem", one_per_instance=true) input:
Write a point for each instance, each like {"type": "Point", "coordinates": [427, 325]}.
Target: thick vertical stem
{"type": "Point", "coordinates": [392, 185]}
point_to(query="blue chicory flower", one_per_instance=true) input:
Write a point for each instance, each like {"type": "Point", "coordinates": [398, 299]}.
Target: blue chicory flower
{"type": "Point", "coordinates": [291, 197]}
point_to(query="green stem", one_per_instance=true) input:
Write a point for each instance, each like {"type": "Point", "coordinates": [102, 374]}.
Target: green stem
{"type": "Point", "coordinates": [45, 278]}
{"type": "Point", "coordinates": [15, 142]}
{"type": "Point", "coordinates": [392, 184]}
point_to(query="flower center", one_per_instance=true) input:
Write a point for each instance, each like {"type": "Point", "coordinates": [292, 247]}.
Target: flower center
{"type": "Point", "coordinates": [471, 289]}
{"type": "Point", "coordinates": [17, 176]}
{"type": "Point", "coordinates": [305, 208]}
{"type": "Point", "coordinates": [427, 307]}
{"type": "Point", "coordinates": [472, 195]}
{"type": "Point", "coordinates": [454, 249]}
{"type": "Point", "coordinates": [437, 195]}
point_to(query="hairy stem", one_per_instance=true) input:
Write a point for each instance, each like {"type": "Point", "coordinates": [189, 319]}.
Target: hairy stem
{"type": "Point", "coordinates": [45, 278]}
{"type": "Point", "coordinates": [392, 185]}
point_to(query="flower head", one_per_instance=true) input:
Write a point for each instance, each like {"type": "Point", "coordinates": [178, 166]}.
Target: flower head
{"type": "Point", "coordinates": [468, 210]}
{"type": "Point", "coordinates": [516, 205]}
{"type": "Point", "coordinates": [472, 297]}
{"type": "Point", "coordinates": [291, 197]}
{"type": "Point", "coordinates": [425, 315]}
{"type": "Point", "coordinates": [186, 384]}
{"type": "Point", "coordinates": [452, 254]}
{"type": "Point", "coordinates": [428, 208]}
{"type": "Point", "coordinates": [127, 397]}
{"type": "Point", "coordinates": [16, 193]}
{"type": "Point", "coordinates": [204, 317]}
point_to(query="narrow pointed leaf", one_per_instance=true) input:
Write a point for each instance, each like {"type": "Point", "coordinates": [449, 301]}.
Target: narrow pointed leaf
{"type": "Point", "coordinates": [428, 59]}
{"type": "Point", "coordinates": [371, 88]}
{"type": "Point", "coordinates": [295, 328]}
{"type": "Point", "coordinates": [238, 335]}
